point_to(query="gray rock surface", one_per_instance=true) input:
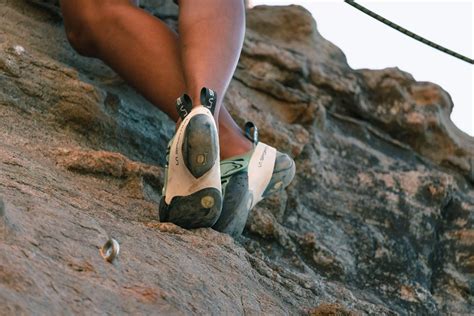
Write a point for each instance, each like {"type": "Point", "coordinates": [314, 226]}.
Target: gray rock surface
{"type": "Point", "coordinates": [379, 219]}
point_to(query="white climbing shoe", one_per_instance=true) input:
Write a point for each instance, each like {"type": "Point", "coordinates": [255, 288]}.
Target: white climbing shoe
{"type": "Point", "coordinates": [192, 192]}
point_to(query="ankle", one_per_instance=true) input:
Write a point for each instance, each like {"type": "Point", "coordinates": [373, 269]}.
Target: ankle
{"type": "Point", "coordinates": [232, 142]}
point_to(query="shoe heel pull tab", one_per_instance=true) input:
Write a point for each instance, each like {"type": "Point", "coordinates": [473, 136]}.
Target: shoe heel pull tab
{"type": "Point", "coordinates": [251, 132]}
{"type": "Point", "coordinates": [209, 99]}
{"type": "Point", "coordinates": [184, 105]}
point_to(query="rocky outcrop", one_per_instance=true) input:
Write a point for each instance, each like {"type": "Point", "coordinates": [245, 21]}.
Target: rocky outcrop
{"type": "Point", "coordinates": [378, 220]}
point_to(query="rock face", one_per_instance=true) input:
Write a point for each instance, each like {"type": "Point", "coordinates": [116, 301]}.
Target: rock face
{"type": "Point", "coordinates": [379, 219]}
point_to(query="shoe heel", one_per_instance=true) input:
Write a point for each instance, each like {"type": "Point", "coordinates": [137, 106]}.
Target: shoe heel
{"type": "Point", "coordinates": [200, 145]}
{"type": "Point", "coordinates": [200, 209]}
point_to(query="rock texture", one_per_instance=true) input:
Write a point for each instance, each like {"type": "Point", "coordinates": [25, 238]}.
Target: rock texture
{"type": "Point", "coordinates": [379, 219]}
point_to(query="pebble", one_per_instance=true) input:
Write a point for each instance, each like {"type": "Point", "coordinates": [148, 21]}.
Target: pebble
{"type": "Point", "coordinates": [19, 50]}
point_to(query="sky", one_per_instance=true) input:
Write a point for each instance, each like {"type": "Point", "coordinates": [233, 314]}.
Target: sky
{"type": "Point", "coordinates": [367, 43]}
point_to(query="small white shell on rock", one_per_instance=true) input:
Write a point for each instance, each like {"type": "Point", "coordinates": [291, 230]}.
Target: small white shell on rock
{"type": "Point", "coordinates": [19, 49]}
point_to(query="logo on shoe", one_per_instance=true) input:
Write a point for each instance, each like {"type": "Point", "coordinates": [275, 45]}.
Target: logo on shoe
{"type": "Point", "coordinates": [211, 100]}
{"type": "Point", "coordinates": [262, 157]}
{"type": "Point", "coordinates": [178, 141]}
{"type": "Point", "coordinates": [182, 108]}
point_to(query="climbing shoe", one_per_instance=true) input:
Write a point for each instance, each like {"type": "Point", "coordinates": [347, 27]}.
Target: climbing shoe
{"type": "Point", "coordinates": [192, 195]}
{"type": "Point", "coordinates": [249, 178]}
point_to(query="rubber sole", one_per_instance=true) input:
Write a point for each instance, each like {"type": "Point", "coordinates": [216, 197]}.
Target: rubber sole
{"type": "Point", "coordinates": [200, 209]}
{"type": "Point", "coordinates": [283, 173]}
{"type": "Point", "coordinates": [236, 206]}
{"type": "Point", "coordinates": [199, 150]}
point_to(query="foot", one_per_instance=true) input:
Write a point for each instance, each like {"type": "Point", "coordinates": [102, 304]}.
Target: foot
{"type": "Point", "coordinates": [192, 192]}
{"type": "Point", "coordinates": [249, 178]}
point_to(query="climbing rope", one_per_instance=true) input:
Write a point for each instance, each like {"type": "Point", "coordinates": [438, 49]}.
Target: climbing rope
{"type": "Point", "coordinates": [408, 33]}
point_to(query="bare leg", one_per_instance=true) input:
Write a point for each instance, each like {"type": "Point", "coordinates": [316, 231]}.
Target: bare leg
{"type": "Point", "coordinates": [139, 47]}
{"type": "Point", "coordinates": [211, 37]}
{"type": "Point", "coordinates": [212, 32]}
{"type": "Point", "coordinates": [147, 54]}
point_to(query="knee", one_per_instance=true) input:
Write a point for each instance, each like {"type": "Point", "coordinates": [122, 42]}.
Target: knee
{"type": "Point", "coordinates": [83, 26]}
{"type": "Point", "coordinates": [80, 28]}
{"type": "Point", "coordinates": [79, 43]}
